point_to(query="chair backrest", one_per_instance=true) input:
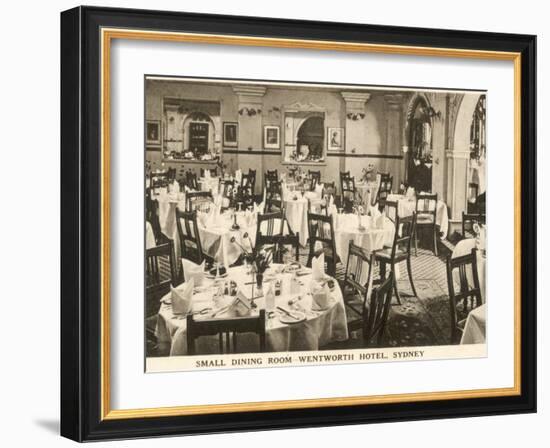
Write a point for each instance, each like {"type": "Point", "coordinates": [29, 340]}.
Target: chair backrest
{"type": "Point", "coordinates": [403, 236]}
{"type": "Point", "coordinates": [426, 205]}
{"type": "Point", "coordinates": [226, 329]}
{"type": "Point", "coordinates": [376, 314]}
{"type": "Point", "coordinates": [269, 225]}
{"type": "Point", "coordinates": [273, 196]}
{"type": "Point", "coordinates": [188, 232]}
{"type": "Point", "coordinates": [281, 242]}
{"type": "Point", "coordinates": [245, 196]}
{"type": "Point", "coordinates": [358, 269]}
{"type": "Point", "coordinates": [468, 221]}
{"type": "Point", "coordinates": [315, 179]}
{"type": "Point", "coordinates": [199, 201]}
{"type": "Point", "coordinates": [468, 291]}
{"type": "Point", "coordinates": [321, 228]}
{"type": "Point", "coordinates": [228, 189]}
{"type": "Point", "coordinates": [191, 180]}
{"type": "Point", "coordinates": [270, 176]}
{"type": "Point", "coordinates": [152, 214]}
{"type": "Point", "coordinates": [249, 180]}
{"type": "Point", "coordinates": [391, 210]}
{"type": "Point", "coordinates": [160, 273]}
{"type": "Point", "coordinates": [386, 183]}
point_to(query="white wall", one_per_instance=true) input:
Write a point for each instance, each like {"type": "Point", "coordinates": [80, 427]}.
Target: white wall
{"type": "Point", "coordinates": [30, 279]}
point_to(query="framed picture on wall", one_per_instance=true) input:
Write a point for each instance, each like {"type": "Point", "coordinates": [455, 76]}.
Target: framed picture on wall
{"type": "Point", "coordinates": [457, 326]}
{"type": "Point", "coordinates": [335, 139]}
{"type": "Point", "coordinates": [272, 137]}
{"type": "Point", "coordinates": [153, 133]}
{"type": "Point", "coordinates": [230, 134]}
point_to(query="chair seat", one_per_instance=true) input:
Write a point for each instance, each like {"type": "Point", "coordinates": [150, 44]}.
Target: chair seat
{"type": "Point", "coordinates": [385, 254]}
{"type": "Point", "coordinates": [326, 250]}
{"type": "Point", "coordinates": [424, 219]}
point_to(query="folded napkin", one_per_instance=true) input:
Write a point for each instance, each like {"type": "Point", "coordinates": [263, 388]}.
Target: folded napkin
{"type": "Point", "coordinates": [318, 267]}
{"type": "Point", "coordinates": [321, 294]}
{"type": "Point", "coordinates": [238, 176]}
{"type": "Point", "coordinates": [374, 212]}
{"type": "Point", "coordinates": [181, 297]}
{"type": "Point", "coordinates": [240, 306]}
{"type": "Point", "coordinates": [410, 192]}
{"type": "Point", "coordinates": [259, 208]}
{"type": "Point", "coordinates": [193, 271]}
{"type": "Point", "coordinates": [174, 187]}
{"type": "Point", "coordinates": [481, 237]}
{"type": "Point", "coordinates": [319, 190]}
{"type": "Point", "coordinates": [207, 174]}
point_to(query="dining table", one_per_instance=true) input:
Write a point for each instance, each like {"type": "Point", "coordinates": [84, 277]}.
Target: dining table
{"type": "Point", "coordinates": [364, 233]}
{"type": "Point", "coordinates": [296, 206]}
{"type": "Point", "coordinates": [406, 206]}
{"type": "Point", "coordinates": [316, 327]}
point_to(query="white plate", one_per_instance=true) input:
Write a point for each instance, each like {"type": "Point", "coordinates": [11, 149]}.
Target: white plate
{"type": "Point", "coordinates": [285, 319]}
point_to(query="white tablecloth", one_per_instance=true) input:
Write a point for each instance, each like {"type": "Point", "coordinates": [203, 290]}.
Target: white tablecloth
{"type": "Point", "coordinates": [465, 247]}
{"type": "Point", "coordinates": [347, 229]}
{"type": "Point", "coordinates": [474, 330]}
{"type": "Point", "coordinates": [406, 207]}
{"type": "Point", "coordinates": [319, 328]}
{"type": "Point", "coordinates": [296, 215]}
{"type": "Point", "coordinates": [216, 239]}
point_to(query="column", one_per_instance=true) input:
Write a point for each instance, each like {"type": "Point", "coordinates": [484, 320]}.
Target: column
{"type": "Point", "coordinates": [356, 130]}
{"type": "Point", "coordinates": [457, 167]}
{"type": "Point", "coordinates": [394, 131]}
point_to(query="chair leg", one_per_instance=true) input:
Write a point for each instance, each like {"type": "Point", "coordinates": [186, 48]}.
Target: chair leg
{"type": "Point", "coordinates": [435, 240]}
{"type": "Point", "coordinates": [395, 285]}
{"type": "Point", "coordinates": [409, 270]}
{"type": "Point", "coordinates": [382, 270]}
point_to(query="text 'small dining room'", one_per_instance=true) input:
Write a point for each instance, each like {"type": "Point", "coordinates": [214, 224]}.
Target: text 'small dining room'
{"type": "Point", "coordinates": [287, 217]}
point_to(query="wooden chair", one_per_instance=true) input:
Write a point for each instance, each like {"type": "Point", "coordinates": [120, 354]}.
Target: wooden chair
{"type": "Point", "coordinates": [229, 191]}
{"type": "Point", "coordinates": [375, 315]}
{"type": "Point", "coordinates": [152, 214]}
{"type": "Point", "coordinates": [426, 207]}
{"type": "Point", "coordinates": [348, 193]}
{"type": "Point", "coordinates": [249, 181]}
{"type": "Point", "coordinates": [199, 201]}
{"type": "Point", "coordinates": [245, 196]}
{"type": "Point", "coordinates": [227, 329]}
{"type": "Point", "coordinates": [399, 251]}
{"type": "Point", "coordinates": [274, 226]}
{"type": "Point", "coordinates": [384, 190]}
{"type": "Point", "coordinates": [191, 180]}
{"type": "Point", "coordinates": [281, 242]}
{"type": "Point", "coordinates": [357, 280]}
{"type": "Point", "coordinates": [188, 232]}
{"type": "Point", "coordinates": [468, 220]}
{"type": "Point", "coordinates": [160, 273]}
{"type": "Point", "coordinates": [270, 176]}
{"type": "Point", "coordinates": [391, 210]}
{"type": "Point", "coordinates": [321, 229]}
{"type": "Point", "coordinates": [315, 179]}
{"type": "Point", "coordinates": [274, 196]}
{"type": "Point", "coordinates": [468, 294]}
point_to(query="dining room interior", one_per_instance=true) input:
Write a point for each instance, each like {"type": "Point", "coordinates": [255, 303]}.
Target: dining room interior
{"type": "Point", "coordinates": [291, 217]}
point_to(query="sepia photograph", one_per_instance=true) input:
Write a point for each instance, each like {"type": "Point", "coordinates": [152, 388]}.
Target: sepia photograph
{"type": "Point", "coordinates": [362, 239]}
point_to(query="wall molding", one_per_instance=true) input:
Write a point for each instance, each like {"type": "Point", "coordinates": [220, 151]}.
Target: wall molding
{"type": "Point", "coordinates": [363, 156]}
{"type": "Point", "coordinates": [255, 152]}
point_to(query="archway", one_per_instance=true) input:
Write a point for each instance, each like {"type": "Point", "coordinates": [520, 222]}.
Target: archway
{"type": "Point", "coordinates": [418, 133]}
{"type": "Point", "coordinates": [310, 138]}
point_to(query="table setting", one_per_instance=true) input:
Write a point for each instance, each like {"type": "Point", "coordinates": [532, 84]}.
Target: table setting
{"type": "Point", "coordinates": [304, 306]}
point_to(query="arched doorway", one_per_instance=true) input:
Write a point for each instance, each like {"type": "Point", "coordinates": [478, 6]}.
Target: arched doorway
{"type": "Point", "coordinates": [419, 164]}
{"type": "Point", "coordinates": [311, 138]}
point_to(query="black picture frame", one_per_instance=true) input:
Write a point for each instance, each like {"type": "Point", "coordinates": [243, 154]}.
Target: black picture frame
{"type": "Point", "coordinates": [227, 140]}
{"type": "Point", "coordinates": [81, 224]}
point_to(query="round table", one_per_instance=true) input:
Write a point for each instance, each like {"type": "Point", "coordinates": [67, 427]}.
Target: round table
{"type": "Point", "coordinates": [346, 229]}
{"type": "Point", "coordinates": [318, 329]}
